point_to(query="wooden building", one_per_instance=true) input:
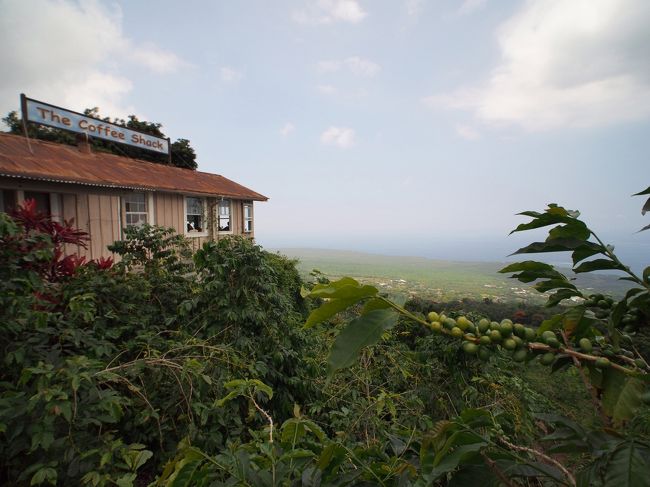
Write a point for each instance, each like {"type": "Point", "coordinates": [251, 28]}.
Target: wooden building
{"type": "Point", "coordinates": [104, 193]}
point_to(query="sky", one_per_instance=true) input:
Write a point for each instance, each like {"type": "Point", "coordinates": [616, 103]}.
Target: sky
{"type": "Point", "coordinates": [404, 127]}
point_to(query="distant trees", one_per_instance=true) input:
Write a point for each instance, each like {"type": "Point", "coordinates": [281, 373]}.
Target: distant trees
{"type": "Point", "coordinates": [183, 155]}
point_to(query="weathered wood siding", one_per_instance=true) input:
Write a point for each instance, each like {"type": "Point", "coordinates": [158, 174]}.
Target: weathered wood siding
{"type": "Point", "coordinates": [169, 211]}
{"type": "Point", "coordinates": [100, 213]}
{"type": "Point", "coordinates": [97, 214]}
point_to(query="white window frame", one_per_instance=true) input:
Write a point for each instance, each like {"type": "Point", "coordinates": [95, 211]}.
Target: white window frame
{"type": "Point", "coordinates": [247, 219]}
{"type": "Point", "coordinates": [147, 207]}
{"type": "Point", "coordinates": [230, 217]}
{"type": "Point", "coordinates": [194, 233]}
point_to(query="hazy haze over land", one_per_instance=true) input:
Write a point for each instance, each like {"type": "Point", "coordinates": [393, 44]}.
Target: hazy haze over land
{"type": "Point", "coordinates": [402, 127]}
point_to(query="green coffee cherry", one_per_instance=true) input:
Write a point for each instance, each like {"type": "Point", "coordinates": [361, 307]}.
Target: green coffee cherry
{"type": "Point", "coordinates": [519, 330]}
{"type": "Point", "coordinates": [484, 353]}
{"type": "Point", "coordinates": [585, 345]}
{"type": "Point", "coordinates": [553, 342]}
{"type": "Point", "coordinates": [463, 323]}
{"type": "Point", "coordinates": [602, 363]}
{"type": "Point", "coordinates": [547, 358]}
{"type": "Point", "coordinates": [530, 335]}
{"type": "Point", "coordinates": [483, 325]}
{"type": "Point", "coordinates": [470, 348]}
{"type": "Point", "coordinates": [495, 336]}
{"type": "Point", "coordinates": [520, 355]}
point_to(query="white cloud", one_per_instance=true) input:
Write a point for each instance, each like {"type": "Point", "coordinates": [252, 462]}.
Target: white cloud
{"type": "Point", "coordinates": [467, 132]}
{"type": "Point", "coordinates": [70, 53]}
{"type": "Point", "coordinates": [342, 137]}
{"type": "Point", "coordinates": [328, 66]}
{"type": "Point", "coordinates": [362, 67]}
{"type": "Point", "coordinates": [326, 89]}
{"type": "Point", "coordinates": [354, 64]}
{"type": "Point", "coordinates": [156, 59]}
{"type": "Point", "coordinates": [414, 7]}
{"type": "Point", "coordinates": [328, 11]}
{"type": "Point", "coordinates": [287, 129]}
{"type": "Point", "coordinates": [470, 6]}
{"type": "Point", "coordinates": [230, 75]}
{"type": "Point", "coordinates": [581, 63]}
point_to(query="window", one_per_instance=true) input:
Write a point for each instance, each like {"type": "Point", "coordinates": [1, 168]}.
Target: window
{"type": "Point", "coordinates": [8, 200]}
{"type": "Point", "coordinates": [248, 217]}
{"type": "Point", "coordinates": [223, 216]}
{"type": "Point", "coordinates": [135, 209]}
{"type": "Point", "coordinates": [194, 214]}
{"type": "Point", "coordinates": [42, 201]}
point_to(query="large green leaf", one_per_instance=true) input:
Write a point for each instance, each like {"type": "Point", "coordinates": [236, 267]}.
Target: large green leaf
{"type": "Point", "coordinates": [552, 216]}
{"type": "Point", "coordinates": [561, 295]}
{"type": "Point", "coordinates": [552, 284]}
{"type": "Point", "coordinates": [621, 394]}
{"type": "Point", "coordinates": [557, 245]}
{"type": "Point", "coordinates": [641, 193]}
{"type": "Point", "coordinates": [329, 309]}
{"type": "Point", "coordinates": [185, 469]}
{"type": "Point", "coordinates": [375, 303]}
{"type": "Point", "coordinates": [345, 288]}
{"type": "Point", "coordinates": [360, 332]}
{"type": "Point", "coordinates": [331, 456]}
{"type": "Point", "coordinates": [531, 270]}
{"type": "Point", "coordinates": [598, 265]}
{"type": "Point", "coordinates": [585, 251]}
{"type": "Point", "coordinates": [575, 229]}
{"type": "Point", "coordinates": [292, 431]}
{"type": "Point", "coordinates": [457, 456]}
{"type": "Point", "coordinates": [527, 265]}
{"type": "Point", "coordinates": [530, 469]}
{"type": "Point", "coordinates": [571, 318]}
{"type": "Point", "coordinates": [629, 466]}
{"type": "Point", "coordinates": [553, 323]}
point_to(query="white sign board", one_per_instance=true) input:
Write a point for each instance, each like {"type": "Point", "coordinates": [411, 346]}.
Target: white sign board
{"type": "Point", "coordinates": [60, 118]}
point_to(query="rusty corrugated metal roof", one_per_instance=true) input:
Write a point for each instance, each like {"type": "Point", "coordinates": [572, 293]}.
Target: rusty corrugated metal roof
{"type": "Point", "coordinates": [68, 164]}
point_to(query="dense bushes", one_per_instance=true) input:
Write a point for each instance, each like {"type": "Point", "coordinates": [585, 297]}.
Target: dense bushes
{"type": "Point", "coordinates": [179, 370]}
{"type": "Point", "coordinates": [105, 365]}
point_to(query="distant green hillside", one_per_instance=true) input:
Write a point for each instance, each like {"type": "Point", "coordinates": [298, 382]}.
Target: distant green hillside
{"type": "Point", "coordinates": [437, 279]}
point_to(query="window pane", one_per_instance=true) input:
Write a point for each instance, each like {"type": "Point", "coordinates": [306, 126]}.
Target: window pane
{"type": "Point", "coordinates": [194, 206]}
{"type": "Point", "coordinates": [224, 208]}
{"type": "Point", "coordinates": [247, 211]}
{"type": "Point", "coordinates": [135, 203]}
{"type": "Point", "coordinates": [42, 201]}
{"type": "Point", "coordinates": [135, 209]}
{"type": "Point", "coordinates": [194, 223]}
{"type": "Point", "coordinates": [8, 200]}
{"type": "Point", "coordinates": [224, 223]}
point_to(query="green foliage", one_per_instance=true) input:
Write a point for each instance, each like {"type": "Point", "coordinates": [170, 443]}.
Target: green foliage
{"type": "Point", "coordinates": [176, 370]}
{"type": "Point", "coordinates": [107, 368]}
{"type": "Point", "coordinates": [618, 374]}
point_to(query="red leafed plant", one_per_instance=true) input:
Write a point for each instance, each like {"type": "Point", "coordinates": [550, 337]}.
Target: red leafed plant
{"type": "Point", "coordinates": [53, 265]}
